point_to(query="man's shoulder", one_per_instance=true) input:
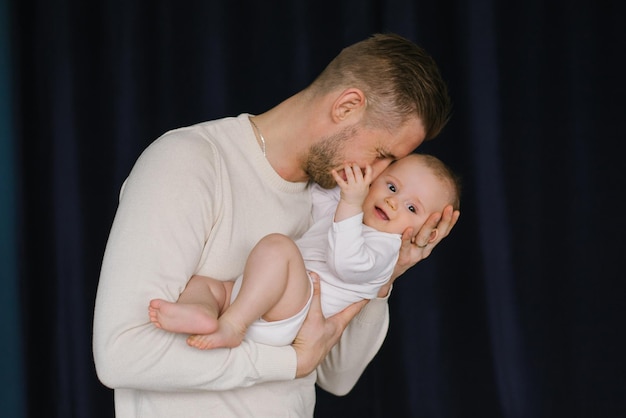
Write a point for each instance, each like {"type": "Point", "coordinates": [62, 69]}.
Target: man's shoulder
{"type": "Point", "coordinates": [211, 136]}
{"type": "Point", "coordinates": [207, 130]}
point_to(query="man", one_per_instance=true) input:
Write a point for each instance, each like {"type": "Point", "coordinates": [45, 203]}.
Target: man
{"type": "Point", "coordinates": [198, 200]}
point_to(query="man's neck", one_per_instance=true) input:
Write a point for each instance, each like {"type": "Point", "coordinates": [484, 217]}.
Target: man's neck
{"type": "Point", "coordinates": [289, 130]}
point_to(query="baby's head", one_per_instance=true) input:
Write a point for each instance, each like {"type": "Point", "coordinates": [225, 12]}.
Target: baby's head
{"type": "Point", "coordinates": [408, 192]}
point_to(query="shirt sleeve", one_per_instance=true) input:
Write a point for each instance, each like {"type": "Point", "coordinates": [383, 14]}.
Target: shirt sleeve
{"type": "Point", "coordinates": [154, 247]}
{"type": "Point", "coordinates": [324, 201]}
{"type": "Point", "coordinates": [358, 345]}
{"type": "Point", "coordinates": [356, 259]}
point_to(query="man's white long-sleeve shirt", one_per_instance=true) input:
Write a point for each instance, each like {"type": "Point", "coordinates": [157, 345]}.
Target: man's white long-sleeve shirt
{"type": "Point", "coordinates": [196, 202]}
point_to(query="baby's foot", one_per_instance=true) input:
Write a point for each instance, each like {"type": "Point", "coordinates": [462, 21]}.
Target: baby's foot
{"type": "Point", "coordinates": [228, 335]}
{"type": "Point", "coordinates": [182, 318]}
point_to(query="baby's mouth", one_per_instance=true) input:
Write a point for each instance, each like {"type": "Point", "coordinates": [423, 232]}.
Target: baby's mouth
{"type": "Point", "coordinates": [381, 213]}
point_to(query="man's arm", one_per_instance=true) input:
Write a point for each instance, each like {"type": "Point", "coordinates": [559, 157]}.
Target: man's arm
{"type": "Point", "coordinates": [155, 245]}
{"type": "Point", "coordinates": [359, 343]}
{"type": "Point", "coordinates": [318, 335]}
{"type": "Point", "coordinates": [363, 337]}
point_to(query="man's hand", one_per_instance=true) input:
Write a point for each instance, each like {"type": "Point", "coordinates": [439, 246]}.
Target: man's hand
{"type": "Point", "coordinates": [318, 334]}
{"type": "Point", "coordinates": [417, 247]}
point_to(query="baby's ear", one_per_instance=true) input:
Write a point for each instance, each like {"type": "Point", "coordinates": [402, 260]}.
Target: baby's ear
{"type": "Point", "coordinates": [433, 235]}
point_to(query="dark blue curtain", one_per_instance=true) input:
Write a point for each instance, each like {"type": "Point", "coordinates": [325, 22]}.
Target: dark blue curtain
{"type": "Point", "coordinates": [519, 313]}
{"type": "Point", "coordinates": [12, 394]}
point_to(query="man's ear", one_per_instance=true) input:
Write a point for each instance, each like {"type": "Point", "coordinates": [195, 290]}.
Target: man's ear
{"type": "Point", "coordinates": [351, 102]}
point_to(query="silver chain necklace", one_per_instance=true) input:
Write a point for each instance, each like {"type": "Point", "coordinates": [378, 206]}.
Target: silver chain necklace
{"type": "Point", "coordinates": [260, 135]}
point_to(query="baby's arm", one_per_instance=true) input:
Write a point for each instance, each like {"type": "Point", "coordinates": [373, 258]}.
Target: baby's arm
{"type": "Point", "coordinates": [354, 189]}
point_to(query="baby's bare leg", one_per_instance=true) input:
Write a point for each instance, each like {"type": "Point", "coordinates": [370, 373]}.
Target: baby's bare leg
{"type": "Point", "coordinates": [275, 286]}
{"type": "Point", "coordinates": [196, 310]}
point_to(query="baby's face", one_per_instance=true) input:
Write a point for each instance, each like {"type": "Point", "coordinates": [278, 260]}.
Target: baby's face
{"type": "Point", "coordinates": [404, 196]}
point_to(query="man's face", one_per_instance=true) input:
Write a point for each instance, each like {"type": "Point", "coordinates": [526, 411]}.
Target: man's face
{"type": "Point", "coordinates": [375, 147]}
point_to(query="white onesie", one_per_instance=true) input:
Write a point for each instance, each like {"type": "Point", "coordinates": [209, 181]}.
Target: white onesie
{"type": "Point", "coordinates": [352, 260]}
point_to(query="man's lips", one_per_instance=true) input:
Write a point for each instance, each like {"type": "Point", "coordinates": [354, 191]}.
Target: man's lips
{"type": "Point", "coordinates": [381, 213]}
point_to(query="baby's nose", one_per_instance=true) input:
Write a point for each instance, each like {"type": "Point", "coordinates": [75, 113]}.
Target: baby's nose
{"type": "Point", "coordinates": [391, 203]}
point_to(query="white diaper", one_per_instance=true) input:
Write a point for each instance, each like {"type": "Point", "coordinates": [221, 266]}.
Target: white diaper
{"type": "Point", "coordinates": [276, 333]}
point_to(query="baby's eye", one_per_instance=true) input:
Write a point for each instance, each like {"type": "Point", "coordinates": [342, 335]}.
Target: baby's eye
{"type": "Point", "coordinates": [412, 208]}
{"type": "Point", "coordinates": [391, 187]}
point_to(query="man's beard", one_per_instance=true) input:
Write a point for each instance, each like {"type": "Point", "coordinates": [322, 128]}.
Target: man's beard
{"type": "Point", "coordinates": [327, 155]}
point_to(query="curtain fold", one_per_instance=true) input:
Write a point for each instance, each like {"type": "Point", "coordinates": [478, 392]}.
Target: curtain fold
{"type": "Point", "coordinates": [11, 360]}
{"type": "Point", "coordinates": [494, 235]}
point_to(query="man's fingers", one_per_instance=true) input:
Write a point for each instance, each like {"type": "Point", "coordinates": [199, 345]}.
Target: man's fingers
{"type": "Point", "coordinates": [407, 235]}
{"type": "Point", "coordinates": [423, 235]}
{"type": "Point", "coordinates": [455, 217]}
{"type": "Point", "coordinates": [316, 304]}
{"type": "Point", "coordinates": [343, 318]}
{"type": "Point", "coordinates": [442, 222]}
{"type": "Point", "coordinates": [447, 222]}
{"type": "Point", "coordinates": [318, 335]}
{"type": "Point", "coordinates": [415, 248]}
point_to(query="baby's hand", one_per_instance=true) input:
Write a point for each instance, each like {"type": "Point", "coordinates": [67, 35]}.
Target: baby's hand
{"type": "Point", "coordinates": [355, 186]}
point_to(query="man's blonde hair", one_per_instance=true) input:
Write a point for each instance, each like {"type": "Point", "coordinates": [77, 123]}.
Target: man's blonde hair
{"type": "Point", "coordinates": [399, 79]}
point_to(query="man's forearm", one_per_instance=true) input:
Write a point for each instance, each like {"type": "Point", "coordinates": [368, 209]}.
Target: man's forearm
{"type": "Point", "coordinates": [359, 343]}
